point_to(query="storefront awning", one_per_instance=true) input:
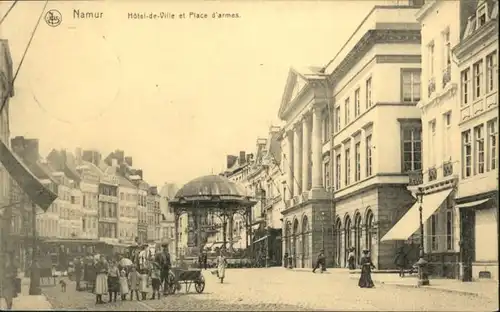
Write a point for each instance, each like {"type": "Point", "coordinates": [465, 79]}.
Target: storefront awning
{"type": "Point", "coordinates": [473, 203]}
{"type": "Point", "coordinates": [410, 222]}
{"type": "Point", "coordinates": [27, 181]}
{"type": "Point", "coordinates": [261, 239]}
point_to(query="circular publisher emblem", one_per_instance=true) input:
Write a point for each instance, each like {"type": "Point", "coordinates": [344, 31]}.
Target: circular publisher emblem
{"type": "Point", "coordinates": [53, 18]}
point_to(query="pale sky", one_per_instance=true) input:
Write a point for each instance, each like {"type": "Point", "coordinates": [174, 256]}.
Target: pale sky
{"type": "Point", "coordinates": [176, 95]}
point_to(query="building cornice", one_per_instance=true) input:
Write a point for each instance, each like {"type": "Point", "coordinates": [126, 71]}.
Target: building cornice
{"type": "Point", "coordinates": [368, 41]}
{"type": "Point", "coordinates": [467, 47]}
{"type": "Point", "coordinates": [425, 9]}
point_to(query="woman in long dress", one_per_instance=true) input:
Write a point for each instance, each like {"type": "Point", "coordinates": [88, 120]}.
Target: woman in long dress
{"type": "Point", "coordinates": [101, 281]}
{"type": "Point", "coordinates": [365, 280]}
{"type": "Point", "coordinates": [221, 266]}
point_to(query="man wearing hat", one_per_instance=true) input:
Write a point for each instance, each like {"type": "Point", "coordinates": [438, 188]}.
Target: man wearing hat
{"type": "Point", "coordinates": [163, 260]}
{"type": "Point", "coordinates": [320, 261]}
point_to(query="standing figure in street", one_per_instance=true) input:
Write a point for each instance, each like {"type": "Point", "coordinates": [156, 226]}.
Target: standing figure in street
{"type": "Point", "coordinates": [133, 281]}
{"type": "Point", "coordinates": [163, 260]}
{"type": "Point", "coordinates": [205, 259]}
{"type": "Point", "coordinates": [113, 281]}
{"type": "Point", "coordinates": [101, 281]}
{"type": "Point", "coordinates": [320, 262]}
{"type": "Point", "coordinates": [143, 284]}
{"type": "Point", "coordinates": [285, 260]}
{"type": "Point", "coordinates": [221, 266]}
{"type": "Point", "coordinates": [351, 259]}
{"type": "Point", "coordinates": [365, 280]}
{"type": "Point", "coordinates": [155, 280]}
{"type": "Point", "coordinates": [9, 291]}
{"type": "Point", "coordinates": [143, 258]}
{"type": "Point", "coordinates": [78, 273]}
{"type": "Point", "coordinates": [124, 289]}
{"type": "Point", "coordinates": [400, 261]}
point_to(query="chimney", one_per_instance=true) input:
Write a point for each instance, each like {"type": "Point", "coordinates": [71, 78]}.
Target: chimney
{"type": "Point", "coordinates": [128, 161]}
{"type": "Point", "coordinates": [231, 159]}
{"type": "Point", "coordinates": [119, 155]}
{"type": "Point", "coordinates": [242, 158]}
{"type": "Point", "coordinates": [139, 173]}
{"type": "Point", "coordinates": [26, 148]}
{"type": "Point", "coordinates": [249, 157]}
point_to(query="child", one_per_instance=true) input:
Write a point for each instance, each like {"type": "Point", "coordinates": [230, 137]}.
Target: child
{"type": "Point", "coordinates": [143, 284]}
{"type": "Point", "coordinates": [123, 285]}
{"type": "Point", "coordinates": [155, 280]}
{"type": "Point", "coordinates": [133, 280]}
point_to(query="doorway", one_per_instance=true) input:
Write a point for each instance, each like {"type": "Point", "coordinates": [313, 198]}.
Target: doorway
{"type": "Point", "coordinates": [467, 242]}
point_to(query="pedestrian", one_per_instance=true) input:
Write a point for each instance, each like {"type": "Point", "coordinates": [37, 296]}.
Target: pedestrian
{"type": "Point", "coordinates": [124, 289]}
{"type": "Point", "coordinates": [351, 259]}
{"type": "Point", "coordinates": [205, 260]}
{"type": "Point", "coordinates": [365, 280]}
{"type": "Point", "coordinates": [78, 273]}
{"type": "Point", "coordinates": [400, 261]}
{"type": "Point", "coordinates": [101, 281]}
{"type": "Point", "coordinates": [133, 281]}
{"type": "Point", "coordinates": [320, 262]}
{"type": "Point", "coordinates": [285, 260]}
{"type": "Point", "coordinates": [155, 280]}
{"type": "Point", "coordinates": [163, 260]}
{"type": "Point", "coordinates": [113, 281]}
{"type": "Point", "coordinates": [9, 287]}
{"type": "Point", "coordinates": [221, 266]}
{"type": "Point", "coordinates": [143, 284]}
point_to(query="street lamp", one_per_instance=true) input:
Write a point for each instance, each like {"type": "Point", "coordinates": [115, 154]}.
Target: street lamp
{"type": "Point", "coordinates": [423, 279]}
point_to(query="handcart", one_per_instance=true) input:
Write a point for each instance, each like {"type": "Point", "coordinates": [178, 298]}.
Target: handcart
{"type": "Point", "coordinates": [188, 277]}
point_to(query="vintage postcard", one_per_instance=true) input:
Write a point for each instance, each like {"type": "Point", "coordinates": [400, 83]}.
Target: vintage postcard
{"type": "Point", "coordinates": [246, 155]}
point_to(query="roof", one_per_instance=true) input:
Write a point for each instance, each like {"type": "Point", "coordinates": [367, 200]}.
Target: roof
{"type": "Point", "coordinates": [122, 181]}
{"type": "Point", "coordinates": [211, 191]}
{"type": "Point", "coordinates": [93, 168]}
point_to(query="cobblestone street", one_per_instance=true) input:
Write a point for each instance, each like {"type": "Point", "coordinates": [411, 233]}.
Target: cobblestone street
{"type": "Point", "coordinates": [278, 289]}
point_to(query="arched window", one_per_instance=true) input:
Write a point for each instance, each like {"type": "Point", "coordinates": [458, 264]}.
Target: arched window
{"type": "Point", "coordinates": [347, 238]}
{"type": "Point", "coordinates": [369, 227]}
{"type": "Point", "coordinates": [358, 235]}
{"type": "Point", "coordinates": [338, 241]}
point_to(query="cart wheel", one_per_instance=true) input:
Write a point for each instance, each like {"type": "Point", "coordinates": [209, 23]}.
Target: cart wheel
{"type": "Point", "coordinates": [199, 285]}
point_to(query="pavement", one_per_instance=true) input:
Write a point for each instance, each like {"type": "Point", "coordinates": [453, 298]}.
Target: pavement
{"type": "Point", "coordinates": [279, 289]}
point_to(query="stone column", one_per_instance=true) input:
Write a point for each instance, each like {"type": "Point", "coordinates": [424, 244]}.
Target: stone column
{"type": "Point", "coordinates": [306, 155]}
{"type": "Point", "coordinates": [297, 165]}
{"type": "Point", "coordinates": [316, 149]}
{"type": "Point", "coordinates": [289, 166]}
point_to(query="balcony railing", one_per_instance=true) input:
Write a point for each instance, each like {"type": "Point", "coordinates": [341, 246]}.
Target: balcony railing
{"type": "Point", "coordinates": [432, 174]}
{"type": "Point", "coordinates": [431, 87]}
{"type": "Point", "coordinates": [415, 177]}
{"type": "Point", "coordinates": [446, 75]}
{"type": "Point", "coordinates": [447, 168]}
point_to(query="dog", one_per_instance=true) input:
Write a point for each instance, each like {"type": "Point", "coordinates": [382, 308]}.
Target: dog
{"type": "Point", "coordinates": [63, 285]}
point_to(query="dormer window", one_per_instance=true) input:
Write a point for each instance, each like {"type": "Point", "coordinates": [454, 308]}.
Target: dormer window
{"type": "Point", "coordinates": [481, 15]}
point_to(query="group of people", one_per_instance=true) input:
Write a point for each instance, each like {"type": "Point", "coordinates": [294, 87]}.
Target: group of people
{"type": "Point", "coordinates": [112, 277]}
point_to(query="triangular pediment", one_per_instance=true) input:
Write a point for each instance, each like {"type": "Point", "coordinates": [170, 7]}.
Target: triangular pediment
{"type": "Point", "coordinates": [294, 86]}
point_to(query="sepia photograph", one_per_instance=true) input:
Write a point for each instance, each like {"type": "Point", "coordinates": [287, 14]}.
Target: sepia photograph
{"type": "Point", "coordinates": [239, 155]}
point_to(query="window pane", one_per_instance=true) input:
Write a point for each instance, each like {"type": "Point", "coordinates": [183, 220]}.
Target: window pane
{"type": "Point", "coordinates": [417, 156]}
{"type": "Point", "coordinates": [417, 134]}
{"type": "Point", "coordinates": [407, 134]}
{"type": "Point", "coordinates": [406, 78]}
{"type": "Point", "coordinates": [407, 146]}
{"type": "Point", "coordinates": [417, 146]}
{"type": "Point", "coordinates": [407, 156]}
{"type": "Point", "coordinates": [407, 166]}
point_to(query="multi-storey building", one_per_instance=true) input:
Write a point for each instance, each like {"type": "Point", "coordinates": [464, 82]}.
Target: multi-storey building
{"type": "Point", "coordinates": [127, 227]}
{"type": "Point", "coordinates": [477, 118]}
{"type": "Point", "coordinates": [108, 204]}
{"type": "Point", "coordinates": [89, 186]}
{"type": "Point", "coordinates": [142, 195]}
{"type": "Point", "coordinates": [168, 216]}
{"type": "Point", "coordinates": [47, 224]}
{"type": "Point", "coordinates": [153, 214]}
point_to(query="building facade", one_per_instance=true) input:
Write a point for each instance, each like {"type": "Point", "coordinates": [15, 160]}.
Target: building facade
{"type": "Point", "coordinates": [370, 173]}
{"type": "Point", "coordinates": [127, 227]}
{"type": "Point", "coordinates": [153, 214]}
{"type": "Point", "coordinates": [142, 195]}
{"type": "Point", "coordinates": [108, 208]}
{"type": "Point", "coordinates": [477, 197]}
{"type": "Point", "coordinates": [167, 223]}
